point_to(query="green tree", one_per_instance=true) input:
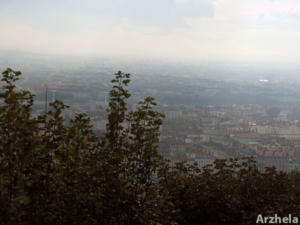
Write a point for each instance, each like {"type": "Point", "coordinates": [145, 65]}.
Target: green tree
{"type": "Point", "coordinates": [18, 140]}
{"type": "Point", "coordinates": [57, 173]}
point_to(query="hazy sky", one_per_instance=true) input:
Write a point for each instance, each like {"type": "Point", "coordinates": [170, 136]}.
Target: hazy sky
{"type": "Point", "coordinates": [253, 30]}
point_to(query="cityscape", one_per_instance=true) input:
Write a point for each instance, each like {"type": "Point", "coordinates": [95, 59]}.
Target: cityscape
{"type": "Point", "coordinates": [138, 112]}
{"type": "Point", "coordinates": [205, 119]}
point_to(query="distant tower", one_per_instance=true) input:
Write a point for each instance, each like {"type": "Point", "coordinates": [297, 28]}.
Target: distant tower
{"type": "Point", "coordinates": [53, 95]}
{"type": "Point", "coordinates": [46, 99]}
{"type": "Point", "coordinates": [105, 99]}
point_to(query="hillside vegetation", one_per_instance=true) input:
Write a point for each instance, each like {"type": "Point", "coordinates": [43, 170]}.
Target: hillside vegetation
{"type": "Point", "coordinates": [52, 173]}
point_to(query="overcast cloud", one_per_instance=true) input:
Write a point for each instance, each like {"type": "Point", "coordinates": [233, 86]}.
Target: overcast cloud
{"type": "Point", "coordinates": [262, 30]}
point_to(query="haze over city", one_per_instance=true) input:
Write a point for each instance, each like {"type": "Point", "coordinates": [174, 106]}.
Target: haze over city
{"type": "Point", "coordinates": [259, 31]}
{"type": "Point", "coordinates": [142, 112]}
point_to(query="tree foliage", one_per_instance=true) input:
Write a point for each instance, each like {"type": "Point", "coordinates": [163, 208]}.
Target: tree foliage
{"type": "Point", "coordinates": [53, 173]}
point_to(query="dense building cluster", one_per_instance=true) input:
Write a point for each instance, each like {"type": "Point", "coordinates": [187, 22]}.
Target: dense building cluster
{"type": "Point", "coordinates": [203, 134]}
